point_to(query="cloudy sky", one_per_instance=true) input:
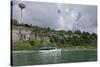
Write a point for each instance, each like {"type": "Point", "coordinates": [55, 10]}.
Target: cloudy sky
{"type": "Point", "coordinates": [58, 16]}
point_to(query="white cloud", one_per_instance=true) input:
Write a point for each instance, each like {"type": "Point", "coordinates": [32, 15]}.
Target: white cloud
{"type": "Point", "coordinates": [46, 15]}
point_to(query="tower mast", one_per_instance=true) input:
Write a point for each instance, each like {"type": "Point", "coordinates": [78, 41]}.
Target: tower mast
{"type": "Point", "coordinates": [21, 6]}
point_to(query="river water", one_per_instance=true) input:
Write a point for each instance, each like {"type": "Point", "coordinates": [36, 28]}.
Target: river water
{"type": "Point", "coordinates": [53, 57]}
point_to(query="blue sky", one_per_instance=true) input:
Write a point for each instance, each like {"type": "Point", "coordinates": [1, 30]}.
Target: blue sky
{"type": "Point", "coordinates": [58, 16]}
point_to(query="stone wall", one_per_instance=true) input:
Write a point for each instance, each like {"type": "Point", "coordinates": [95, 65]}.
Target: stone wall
{"type": "Point", "coordinates": [21, 33]}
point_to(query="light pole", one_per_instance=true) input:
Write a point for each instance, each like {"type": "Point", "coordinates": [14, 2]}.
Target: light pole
{"type": "Point", "coordinates": [21, 6]}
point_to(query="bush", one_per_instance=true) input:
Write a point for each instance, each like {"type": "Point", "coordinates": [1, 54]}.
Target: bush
{"type": "Point", "coordinates": [31, 43]}
{"type": "Point", "coordinates": [21, 46]}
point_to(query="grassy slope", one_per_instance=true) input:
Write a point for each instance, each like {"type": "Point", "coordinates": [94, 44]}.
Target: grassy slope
{"type": "Point", "coordinates": [28, 46]}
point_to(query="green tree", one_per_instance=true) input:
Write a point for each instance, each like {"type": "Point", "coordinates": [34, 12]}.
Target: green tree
{"type": "Point", "coordinates": [77, 32]}
{"type": "Point", "coordinates": [69, 33]}
{"type": "Point", "coordinates": [32, 43]}
{"type": "Point", "coordinates": [14, 22]}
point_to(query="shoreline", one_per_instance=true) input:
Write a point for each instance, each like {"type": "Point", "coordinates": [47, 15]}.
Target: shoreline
{"type": "Point", "coordinates": [31, 51]}
{"type": "Point", "coordinates": [77, 49]}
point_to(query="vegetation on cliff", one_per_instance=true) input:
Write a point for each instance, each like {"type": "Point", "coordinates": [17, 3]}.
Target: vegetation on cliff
{"type": "Point", "coordinates": [60, 39]}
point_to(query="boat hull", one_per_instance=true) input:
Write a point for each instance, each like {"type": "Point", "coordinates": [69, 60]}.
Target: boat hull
{"type": "Point", "coordinates": [51, 50]}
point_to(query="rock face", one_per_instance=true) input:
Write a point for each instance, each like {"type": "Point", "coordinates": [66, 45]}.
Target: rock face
{"type": "Point", "coordinates": [21, 33]}
{"type": "Point", "coordinates": [24, 34]}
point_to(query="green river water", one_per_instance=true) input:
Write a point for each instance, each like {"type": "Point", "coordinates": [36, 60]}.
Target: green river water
{"type": "Point", "coordinates": [53, 57]}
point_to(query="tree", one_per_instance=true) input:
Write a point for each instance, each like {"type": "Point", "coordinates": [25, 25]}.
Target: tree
{"type": "Point", "coordinates": [32, 43]}
{"type": "Point", "coordinates": [51, 40]}
{"type": "Point", "coordinates": [77, 32]}
{"type": "Point", "coordinates": [14, 22]}
{"type": "Point", "coordinates": [94, 35]}
{"type": "Point", "coordinates": [26, 25]}
{"type": "Point", "coordinates": [48, 29]}
{"type": "Point", "coordinates": [69, 32]}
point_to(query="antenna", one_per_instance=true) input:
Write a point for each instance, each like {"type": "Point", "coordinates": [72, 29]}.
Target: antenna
{"type": "Point", "coordinates": [77, 23]}
{"type": "Point", "coordinates": [59, 11]}
{"type": "Point", "coordinates": [78, 17]}
{"type": "Point", "coordinates": [21, 6]}
{"type": "Point", "coordinates": [59, 8]}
